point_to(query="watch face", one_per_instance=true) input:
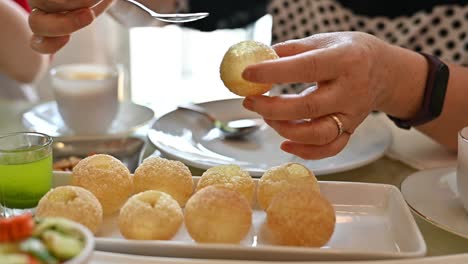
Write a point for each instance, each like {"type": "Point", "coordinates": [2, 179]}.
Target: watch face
{"type": "Point", "coordinates": [439, 88]}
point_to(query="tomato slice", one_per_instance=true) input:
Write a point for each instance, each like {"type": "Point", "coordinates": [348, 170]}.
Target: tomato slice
{"type": "Point", "coordinates": [16, 228]}
{"type": "Point", "coordinates": [32, 260]}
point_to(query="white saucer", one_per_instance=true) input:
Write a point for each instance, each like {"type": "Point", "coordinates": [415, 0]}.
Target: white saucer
{"type": "Point", "coordinates": [45, 118]}
{"type": "Point", "coordinates": [190, 137]}
{"type": "Point", "coordinates": [433, 195]}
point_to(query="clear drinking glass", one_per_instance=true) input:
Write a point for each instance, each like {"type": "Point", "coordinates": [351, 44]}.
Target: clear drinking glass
{"type": "Point", "coordinates": [25, 171]}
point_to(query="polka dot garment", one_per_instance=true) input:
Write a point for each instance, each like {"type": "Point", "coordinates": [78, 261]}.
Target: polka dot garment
{"type": "Point", "coordinates": [441, 31]}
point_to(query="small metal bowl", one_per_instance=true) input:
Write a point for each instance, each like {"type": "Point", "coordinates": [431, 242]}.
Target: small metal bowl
{"type": "Point", "coordinates": [129, 150]}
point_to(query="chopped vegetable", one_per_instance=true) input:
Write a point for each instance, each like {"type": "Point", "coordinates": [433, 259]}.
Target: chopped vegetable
{"type": "Point", "coordinates": [51, 241]}
{"type": "Point", "coordinates": [7, 248]}
{"type": "Point", "coordinates": [36, 248]}
{"type": "Point", "coordinates": [61, 246]}
{"type": "Point", "coordinates": [59, 224]}
{"type": "Point", "coordinates": [14, 259]}
{"type": "Point", "coordinates": [16, 228]}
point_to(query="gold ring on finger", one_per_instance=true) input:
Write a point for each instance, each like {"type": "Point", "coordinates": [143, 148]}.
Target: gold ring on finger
{"type": "Point", "coordinates": [339, 124]}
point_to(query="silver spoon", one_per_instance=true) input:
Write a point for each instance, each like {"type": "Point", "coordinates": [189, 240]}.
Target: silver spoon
{"type": "Point", "coordinates": [234, 129]}
{"type": "Point", "coordinates": [170, 18]}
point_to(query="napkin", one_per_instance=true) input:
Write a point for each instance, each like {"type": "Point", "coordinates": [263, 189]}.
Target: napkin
{"type": "Point", "coordinates": [416, 149]}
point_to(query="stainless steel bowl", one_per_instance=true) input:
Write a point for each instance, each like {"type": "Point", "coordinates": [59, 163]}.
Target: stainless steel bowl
{"type": "Point", "coordinates": [129, 150]}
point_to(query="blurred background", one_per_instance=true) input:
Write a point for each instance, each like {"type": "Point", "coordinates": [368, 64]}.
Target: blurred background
{"type": "Point", "coordinates": [163, 65]}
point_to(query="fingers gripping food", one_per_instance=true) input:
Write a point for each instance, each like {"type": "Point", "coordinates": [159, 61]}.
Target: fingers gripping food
{"type": "Point", "coordinates": [236, 59]}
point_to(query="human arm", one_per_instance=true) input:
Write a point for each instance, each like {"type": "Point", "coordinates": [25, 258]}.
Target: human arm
{"type": "Point", "coordinates": [222, 14]}
{"type": "Point", "coordinates": [454, 116]}
{"type": "Point", "coordinates": [356, 73]}
{"type": "Point", "coordinates": [52, 22]}
{"type": "Point", "coordinates": [17, 60]}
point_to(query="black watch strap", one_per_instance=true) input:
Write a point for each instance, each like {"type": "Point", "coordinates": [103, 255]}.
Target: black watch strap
{"type": "Point", "coordinates": [434, 94]}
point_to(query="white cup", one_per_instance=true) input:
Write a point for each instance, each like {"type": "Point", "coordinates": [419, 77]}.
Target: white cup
{"type": "Point", "coordinates": [87, 96]}
{"type": "Point", "coordinates": [462, 168]}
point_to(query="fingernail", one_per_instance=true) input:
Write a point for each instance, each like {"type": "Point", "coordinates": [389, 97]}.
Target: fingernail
{"type": "Point", "coordinates": [285, 147]}
{"type": "Point", "coordinates": [247, 74]}
{"type": "Point", "coordinates": [37, 39]}
{"type": "Point", "coordinates": [93, 13]}
{"type": "Point", "coordinates": [279, 44]}
{"type": "Point", "coordinates": [84, 17]}
{"type": "Point", "coordinates": [248, 103]}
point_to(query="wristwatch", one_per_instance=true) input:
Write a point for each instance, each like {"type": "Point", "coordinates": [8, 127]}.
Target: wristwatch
{"type": "Point", "coordinates": [434, 94]}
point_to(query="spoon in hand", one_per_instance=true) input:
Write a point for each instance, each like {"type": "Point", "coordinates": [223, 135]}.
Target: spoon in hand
{"type": "Point", "coordinates": [235, 129]}
{"type": "Point", "coordinates": [170, 18]}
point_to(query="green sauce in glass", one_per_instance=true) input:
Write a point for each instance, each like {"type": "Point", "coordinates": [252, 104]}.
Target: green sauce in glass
{"type": "Point", "coordinates": [23, 184]}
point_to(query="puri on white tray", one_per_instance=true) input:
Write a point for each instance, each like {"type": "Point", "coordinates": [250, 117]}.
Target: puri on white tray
{"type": "Point", "coordinates": [372, 222]}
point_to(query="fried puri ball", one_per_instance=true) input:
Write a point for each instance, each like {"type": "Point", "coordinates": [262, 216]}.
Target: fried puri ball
{"type": "Point", "coordinates": [300, 217]}
{"type": "Point", "coordinates": [236, 59]}
{"type": "Point", "coordinates": [74, 203]}
{"type": "Point", "coordinates": [150, 215]}
{"type": "Point", "coordinates": [107, 178]}
{"type": "Point", "coordinates": [285, 176]}
{"type": "Point", "coordinates": [230, 176]}
{"type": "Point", "coordinates": [216, 214]}
{"type": "Point", "coordinates": [164, 175]}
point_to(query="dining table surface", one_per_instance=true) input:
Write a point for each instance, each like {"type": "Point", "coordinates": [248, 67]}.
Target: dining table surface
{"type": "Point", "coordinates": [442, 246]}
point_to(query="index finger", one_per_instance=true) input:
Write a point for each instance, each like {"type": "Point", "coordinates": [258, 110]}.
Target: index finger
{"type": "Point", "coordinates": [312, 103]}
{"type": "Point", "coordinates": [59, 24]}
{"type": "Point", "coordinates": [311, 66]}
{"type": "Point", "coordinates": [56, 6]}
{"type": "Point", "coordinates": [296, 46]}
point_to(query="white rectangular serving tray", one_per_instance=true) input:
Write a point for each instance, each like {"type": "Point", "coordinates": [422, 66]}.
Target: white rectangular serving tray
{"type": "Point", "coordinates": [372, 222]}
{"type": "Point", "coordinates": [100, 257]}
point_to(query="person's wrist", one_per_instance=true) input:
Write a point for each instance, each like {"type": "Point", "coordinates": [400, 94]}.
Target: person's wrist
{"type": "Point", "coordinates": [405, 82]}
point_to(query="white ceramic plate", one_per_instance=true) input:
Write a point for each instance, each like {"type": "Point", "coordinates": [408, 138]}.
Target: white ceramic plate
{"type": "Point", "coordinates": [433, 195]}
{"type": "Point", "coordinates": [373, 222]}
{"type": "Point", "coordinates": [45, 118]}
{"type": "Point", "coordinates": [100, 257]}
{"type": "Point", "coordinates": [189, 137]}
